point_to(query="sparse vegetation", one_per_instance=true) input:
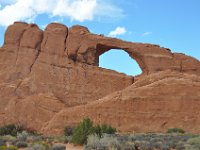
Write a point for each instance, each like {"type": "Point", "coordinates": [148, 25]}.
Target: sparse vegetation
{"type": "Point", "coordinates": [144, 142]}
{"type": "Point", "coordinates": [99, 137]}
{"type": "Point", "coordinates": [13, 130]}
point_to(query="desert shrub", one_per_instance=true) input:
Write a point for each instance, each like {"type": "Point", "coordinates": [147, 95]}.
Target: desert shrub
{"type": "Point", "coordinates": [165, 147]}
{"type": "Point", "coordinates": [104, 128]}
{"type": "Point", "coordinates": [144, 145]}
{"type": "Point", "coordinates": [104, 143]}
{"type": "Point", "coordinates": [68, 131]}
{"type": "Point", "coordinates": [82, 131]}
{"type": "Point", "coordinates": [171, 143]}
{"type": "Point", "coordinates": [180, 145]}
{"type": "Point", "coordinates": [22, 136]}
{"type": "Point", "coordinates": [157, 145]}
{"type": "Point", "coordinates": [110, 142]}
{"type": "Point", "coordinates": [58, 147]}
{"type": "Point", "coordinates": [39, 146]}
{"type": "Point", "coordinates": [99, 130]}
{"type": "Point", "coordinates": [21, 144]}
{"type": "Point", "coordinates": [129, 146]}
{"type": "Point", "coordinates": [194, 143]}
{"type": "Point", "coordinates": [10, 129]}
{"type": "Point", "coordinates": [7, 138]}
{"type": "Point", "coordinates": [13, 130]}
{"type": "Point", "coordinates": [93, 141]}
{"type": "Point", "coordinates": [175, 130]}
{"type": "Point", "coordinates": [34, 138]}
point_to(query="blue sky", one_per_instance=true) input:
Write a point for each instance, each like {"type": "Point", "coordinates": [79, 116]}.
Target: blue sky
{"type": "Point", "coordinates": [174, 24]}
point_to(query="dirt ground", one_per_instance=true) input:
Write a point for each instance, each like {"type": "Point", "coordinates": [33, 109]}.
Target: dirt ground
{"type": "Point", "coordinates": [71, 147]}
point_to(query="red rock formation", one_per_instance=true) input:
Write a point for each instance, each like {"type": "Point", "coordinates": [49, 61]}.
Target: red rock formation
{"type": "Point", "coordinates": [51, 78]}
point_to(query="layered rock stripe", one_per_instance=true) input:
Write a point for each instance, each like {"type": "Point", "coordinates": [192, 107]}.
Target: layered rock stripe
{"type": "Point", "coordinates": [50, 79]}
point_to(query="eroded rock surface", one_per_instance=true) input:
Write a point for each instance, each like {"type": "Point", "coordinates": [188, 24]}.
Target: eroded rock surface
{"type": "Point", "coordinates": [51, 78]}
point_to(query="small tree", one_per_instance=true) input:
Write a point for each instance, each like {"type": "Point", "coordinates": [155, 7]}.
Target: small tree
{"type": "Point", "coordinates": [85, 128]}
{"type": "Point", "coordinates": [82, 131]}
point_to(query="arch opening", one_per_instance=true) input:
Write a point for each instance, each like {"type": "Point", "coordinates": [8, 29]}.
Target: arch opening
{"type": "Point", "coordinates": [120, 61]}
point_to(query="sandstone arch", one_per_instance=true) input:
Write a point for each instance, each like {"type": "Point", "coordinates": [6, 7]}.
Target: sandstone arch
{"type": "Point", "coordinates": [51, 71]}
{"type": "Point", "coordinates": [83, 46]}
{"type": "Point", "coordinates": [79, 45]}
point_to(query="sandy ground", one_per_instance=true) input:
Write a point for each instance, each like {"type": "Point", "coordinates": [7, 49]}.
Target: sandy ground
{"type": "Point", "coordinates": [71, 147]}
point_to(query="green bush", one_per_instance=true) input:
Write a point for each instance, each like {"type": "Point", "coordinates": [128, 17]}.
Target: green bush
{"type": "Point", "coordinates": [82, 131]}
{"type": "Point", "coordinates": [85, 128]}
{"type": "Point", "coordinates": [10, 129]}
{"type": "Point", "coordinates": [107, 129]}
{"type": "Point", "coordinates": [99, 130]}
{"type": "Point", "coordinates": [175, 130]}
{"type": "Point", "coordinates": [13, 130]}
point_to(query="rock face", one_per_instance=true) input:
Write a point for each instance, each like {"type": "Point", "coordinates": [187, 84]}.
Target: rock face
{"type": "Point", "coordinates": [50, 79]}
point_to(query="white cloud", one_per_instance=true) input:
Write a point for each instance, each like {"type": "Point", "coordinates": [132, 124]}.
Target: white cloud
{"type": "Point", "coordinates": [79, 10]}
{"type": "Point", "coordinates": [117, 31]}
{"type": "Point", "coordinates": [147, 33]}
